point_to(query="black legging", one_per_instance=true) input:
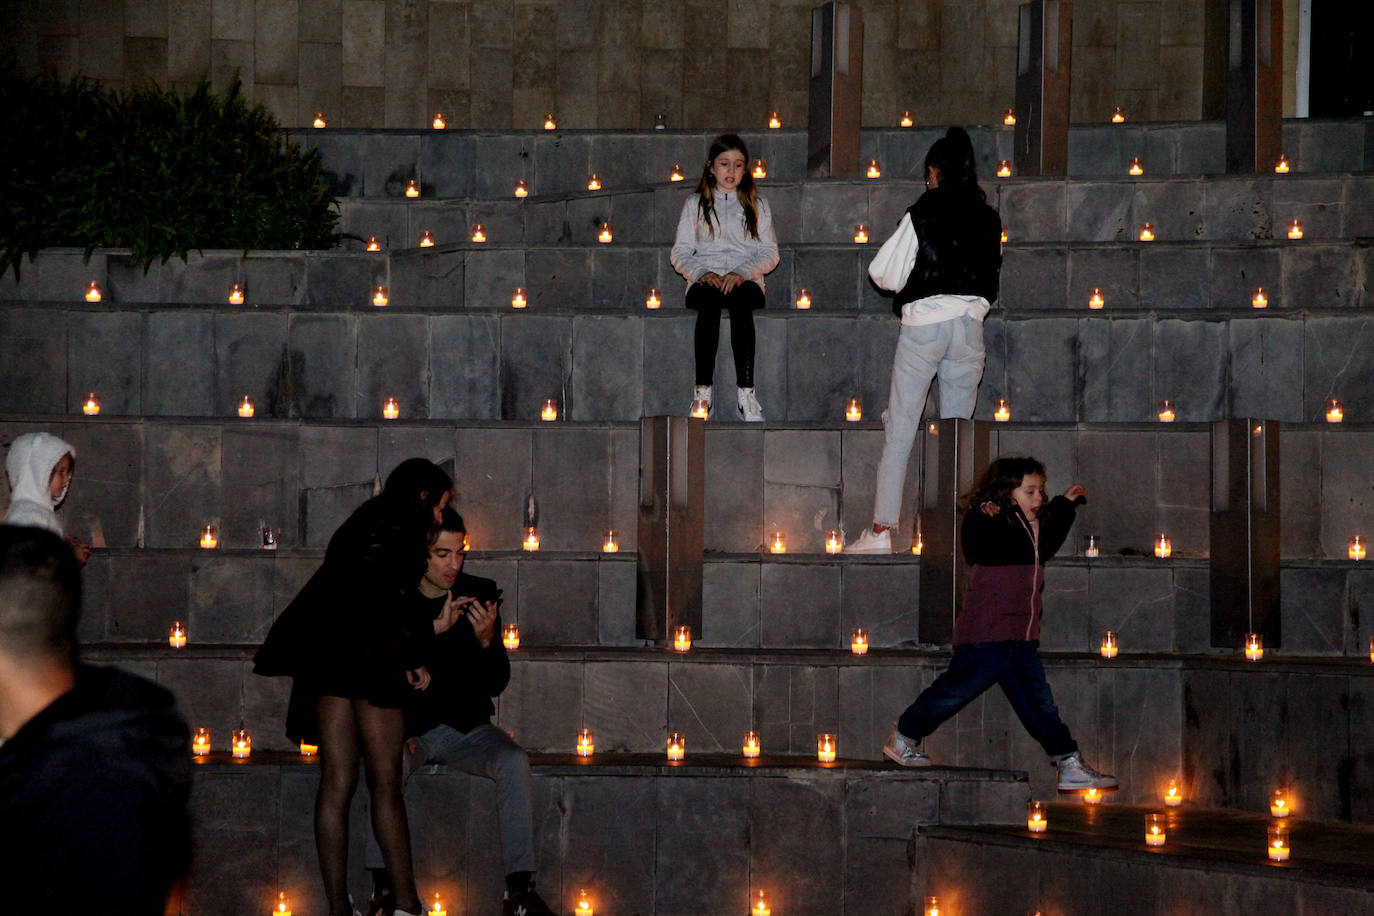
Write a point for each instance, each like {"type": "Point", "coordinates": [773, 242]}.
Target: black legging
{"type": "Point", "coordinates": [708, 302]}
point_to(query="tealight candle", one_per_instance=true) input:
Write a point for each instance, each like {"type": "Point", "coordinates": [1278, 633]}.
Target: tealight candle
{"type": "Point", "coordinates": [1357, 548]}
{"type": "Point", "coordinates": [479, 233]}
{"type": "Point", "coordinates": [593, 182]}
{"type": "Point", "coordinates": [652, 301]}
{"type": "Point", "coordinates": [1335, 411]}
{"type": "Point", "coordinates": [861, 234]}
{"type": "Point", "coordinates": [1035, 817]}
{"type": "Point", "coordinates": [1003, 169]}
{"type": "Point", "coordinates": [1295, 229]}
{"type": "Point", "coordinates": [91, 405]}
{"type": "Point", "coordinates": [93, 293]}
{"type": "Point", "coordinates": [676, 174]}
{"type": "Point", "coordinates": [677, 746]}
{"type": "Point", "coordinates": [853, 410]}
{"type": "Point", "coordinates": [1092, 796]}
{"type": "Point", "coordinates": [825, 747]}
{"type": "Point", "coordinates": [858, 643]}
{"type": "Point", "coordinates": [1166, 411]}
{"type": "Point", "coordinates": [584, 904]}
{"type": "Point", "coordinates": [834, 541]}
{"type": "Point", "coordinates": [682, 639]}
{"type": "Point", "coordinates": [510, 636]}
{"type": "Point", "coordinates": [412, 188]}
{"type": "Point", "coordinates": [309, 750]}
{"type": "Point", "coordinates": [522, 188]}
{"type": "Point", "coordinates": [246, 408]}
{"type": "Point", "coordinates": [436, 908]}
{"type": "Point", "coordinates": [1135, 168]}
{"type": "Point", "coordinates": [1004, 233]}
{"type": "Point", "coordinates": [379, 296]}
{"type": "Point", "coordinates": [1147, 232]}
{"type": "Point", "coordinates": [701, 408]}
{"type": "Point", "coordinates": [1281, 167]}
{"type": "Point", "coordinates": [517, 298]}
{"type": "Point", "coordinates": [391, 408]}
{"type": "Point", "coordinates": [319, 120]}
{"type": "Point", "coordinates": [1118, 116]}
{"type": "Point", "coordinates": [1109, 646]}
{"type": "Point", "coordinates": [585, 744]}
{"type": "Point", "coordinates": [1254, 647]}
{"type": "Point", "coordinates": [874, 169]}
{"type": "Point", "coordinates": [1279, 805]}
{"type": "Point", "coordinates": [372, 244]}
{"type": "Point", "coordinates": [176, 637]}
{"type": "Point", "coordinates": [1278, 843]}
{"type": "Point", "coordinates": [611, 543]}
{"type": "Point", "coordinates": [1002, 410]}
{"type": "Point", "coordinates": [1095, 300]}
{"type": "Point", "coordinates": [550, 409]}
{"type": "Point", "coordinates": [760, 905]}
{"type": "Point", "coordinates": [760, 169]}
{"type": "Point", "coordinates": [774, 122]}
{"type": "Point", "coordinates": [604, 236]}
{"type": "Point", "coordinates": [236, 294]}
{"type": "Point", "coordinates": [778, 543]}
{"type": "Point", "coordinates": [1009, 117]}
{"type": "Point", "coordinates": [916, 542]}
{"type": "Point", "coordinates": [931, 907]}
{"type": "Point", "coordinates": [1154, 830]}
{"type": "Point", "coordinates": [283, 907]}
{"type": "Point", "coordinates": [426, 239]}
{"type": "Point", "coordinates": [550, 122]}
{"type": "Point", "coordinates": [1172, 796]}
{"type": "Point", "coordinates": [803, 299]}
{"type": "Point", "coordinates": [906, 120]}
{"type": "Point", "coordinates": [439, 123]}
{"type": "Point", "coordinates": [751, 745]}
{"type": "Point", "coordinates": [200, 742]}
{"type": "Point", "coordinates": [1258, 299]}
{"type": "Point", "coordinates": [1164, 548]}
{"type": "Point", "coordinates": [1091, 545]}
{"type": "Point", "coordinates": [242, 744]}
{"type": "Point", "coordinates": [531, 541]}
{"type": "Point", "coordinates": [209, 537]}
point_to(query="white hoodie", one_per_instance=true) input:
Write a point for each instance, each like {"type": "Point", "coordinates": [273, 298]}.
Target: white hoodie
{"type": "Point", "coordinates": [30, 464]}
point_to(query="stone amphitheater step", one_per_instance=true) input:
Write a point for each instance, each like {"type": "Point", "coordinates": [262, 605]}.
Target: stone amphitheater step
{"type": "Point", "coordinates": [1212, 862]}
{"type": "Point", "coordinates": [154, 483]}
{"type": "Point", "coordinates": [367, 163]}
{"type": "Point", "coordinates": [1229, 730]}
{"type": "Point", "coordinates": [640, 835]}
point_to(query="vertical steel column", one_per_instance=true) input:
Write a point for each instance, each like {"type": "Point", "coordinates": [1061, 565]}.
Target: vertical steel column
{"type": "Point", "coordinates": [1044, 51]}
{"type": "Point", "coordinates": [955, 453]}
{"type": "Point", "coordinates": [1254, 85]}
{"type": "Point", "coordinates": [836, 97]}
{"type": "Point", "coordinates": [1244, 531]}
{"type": "Point", "coordinates": [672, 458]}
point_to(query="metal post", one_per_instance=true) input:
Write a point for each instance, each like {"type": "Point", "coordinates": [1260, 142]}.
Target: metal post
{"type": "Point", "coordinates": [836, 97]}
{"type": "Point", "coordinates": [672, 458]}
{"type": "Point", "coordinates": [1245, 529]}
{"type": "Point", "coordinates": [1254, 85]}
{"type": "Point", "coordinates": [955, 453]}
{"type": "Point", "coordinates": [1044, 51]}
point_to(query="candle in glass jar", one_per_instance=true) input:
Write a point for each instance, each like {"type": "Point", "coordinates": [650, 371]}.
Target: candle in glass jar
{"type": "Point", "coordinates": [1172, 796]}
{"type": "Point", "coordinates": [426, 239]}
{"type": "Point", "coordinates": [701, 408]}
{"type": "Point", "coordinates": [1002, 410]}
{"type": "Point", "coordinates": [209, 537]}
{"type": "Point", "coordinates": [1009, 117]}
{"type": "Point", "coordinates": [834, 541]}
{"type": "Point", "coordinates": [605, 236]}
{"type": "Point", "coordinates": [931, 907]}
{"type": "Point", "coordinates": [1003, 169]}
{"type": "Point", "coordinates": [682, 639]}
{"type": "Point", "coordinates": [778, 544]}
{"type": "Point", "coordinates": [1164, 548]}
{"type": "Point", "coordinates": [522, 188]}
{"type": "Point", "coordinates": [803, 299]}
{"type": "Point", "coordinates": [1259, 299]}
{"type": "Point", "coordinates": [176, 637]}
{"type": "Point", "coordinates": [905, 120]}
{"type": "Point", "coordinates": [531, 542]}
{"type": "Point", "coordinates": [319, 121]}
{"type": "Point", "coordinates": [584, 904]}
{"type": "Point", "coordinates": [1095, 300]}
{"type": "Point", "coordinates": [1147, 232]}
{"type": "Point", "coordinates": [858, 642]}
{"type": "Point", "coordinates": [242, 744]}
{"type": "Point", "coordinates": [550, 122]}
{"type": "Point", "coordinates": [853, 410]}
{"type": "Point", "coordinates": [93, 293]}
{"type": "Point", "coordinates": [379, 296]}
{"type": "Point", "coordinates": [774, 122]}
{"type": "Point", "coordinates": [200, 742]}
{"type": "Point", "coordinates": [550, 409]}
{"type": "Point", "coordinates": [861, 234]}
{"type": "Point", "coordinates": [585, 745]}
{"type": "Point", "coordinates": [760, 169]}
{"type": "Point", "coordinates": [236, 294]}
{"type": "Point", "coordinates": [611, 543]}
{"type": "Point", "coordinates": [1135, 168]}
{"type": "Point", "coordinates": [1279, 803]}
{"type": "Point", "coordinates": [1295, 229]}
{"type": "Point", "coordinates": [677, 746]}
{"type": "Point", "coordinates": [825, 748]}
{"type": "Point", "coordinates": [510, 636]}
{"type": "Point", "coordinates": [1281, 167]}
{"type": "Point", "coordinates": [479, 232]}
{"type": "Point", "coordinates": [373, 244]}
{"type": "Point", "coordinates": [1254, 647]}
{"type": "Point", "coordinates": [1118, 115]}
{"type": "Point", "coordinates": [1335, 411]}
{"type": "Point", "coordinates": [593, 182]}
{"type": "Point", "coordinates": [438, 122]}
{"type": "Point", "coordinates": [1278, 843]}
{"type": "Point", "coordinates": [874, 169]}
{"type": "Point", "coordinates": [1091, 545]}
{"type": "Point", "coordinates": [676, 173]}
{"type": "Point", "coordinates": [91, 406]}
{"type": "Point", "coordinates": [517, 298]}
{"type": "Point", "coordinates": [1035, 817]}
{"type": "Point", "coordinates": [1109, 646]}
{"type": "Point", "coordinates": [309, 750]}
{"type": "Point", "coordinates": [436, 908]}
{"type": "Point", "coordinates": [1092, 796]}
{"type": "Point", "coordinates": [246, 408]}
{"type": "Point", "coordinates": [283, 907]}
{"type": "Point", "coordinates": [1358, 548]}
{"type": "Point", "coordinates": [760, 905]}
{"type": "Point", "coordinates": [751, 745]}
{"type": "Point", "coordinates": [1154, 830]}
{"type": "Point", "coordinates": [652, 301]}
{"type": "Point", "coordinates": [412, 188]}
{"type": "Point", "coordinates": [391, 408]}
{"type": "Point", "coordinates": [1166, 411]}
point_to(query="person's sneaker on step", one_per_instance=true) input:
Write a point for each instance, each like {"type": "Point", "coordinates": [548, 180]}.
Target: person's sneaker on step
{"type": "Point", "coordinates": [901, 749]}
{"type": "Point", "coordinates": [1077, 776]}
{"type": "Point", "coordinates": [871, 542]}
{"type": "Point", "coordinates": [526, 903]}
{"type": "Point", "coordinates": [749, 409]}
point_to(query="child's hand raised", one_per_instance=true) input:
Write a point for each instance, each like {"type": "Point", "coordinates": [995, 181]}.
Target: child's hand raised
{"type": "Point", "coordinates": [1076, 492]}
{"type": "Point", "coordinates": [990, 508]}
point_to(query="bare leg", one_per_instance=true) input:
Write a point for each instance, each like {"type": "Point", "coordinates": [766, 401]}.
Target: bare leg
{"type": "Point", "coordinates": [338, 779]}
{"type": "Point", "coordinates": [383, 735]}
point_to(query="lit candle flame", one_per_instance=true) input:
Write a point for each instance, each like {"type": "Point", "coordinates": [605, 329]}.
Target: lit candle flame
{"type": "Point", "coordinates": [751, 745]}
{"type": "Point", "coordinates": [1004, 169]}
{"type": "Point", "coordinates": [93, 293]}
{"type": "Point", "coordinates": [652, 301]}
{"type": "Point", "coordinates": [91, 406]}
{"type": "Point", "coordinates": [373, 244]}
{"type": "Point", "coordinates": [319, 119]}
{"type": "Point", "coordinates": [1335, 411]}
{"type": "Point", "coordinates": [834, 543]}
{"type": "Point", "coordinates": [593, 182]}
{"type": "Point", "coordinates": [1118, 116]}
{"type": "Point", "coordinates": [522, 189]}
{"type": "Point", "coordinates": [858, 643]}
{"type": "Point", "coordinates": [200, 743]}
{"type": "Point", "coordinates": [585, 744]}
{"type": "Point", "coordinates": [243, 744]}
{"type": "Point", "coordinates": [1164, 548]}
{"type": "Point", "coordinates": [209, 537]}
{"type": "Point", "coordinates": [550, 123]}
{"type": "Point", "coordinates": [1295, 229]}
{"type": "Point", "coordinates": [1254, 647]}
{"type": "Point", "coordinates": [779, 543]}
{"type": "Point", "coordinates": [176, 637]}
{"type": "Point", "coordinates": [426, 239]}
{"type": "Point", "coordinates": [391, 408]}
{"type": "Point", "coordinates": [1002, 410]}
{"type": "Point", "coordinates": [1172, 797]}
{"type": "Point", "coordinates": [412, 188]}
{"type": "Point", "coordinates": [309, 750]}
{"type": "Point", "coordinates": [774, 122]}
{"type": "Point", "coordinates": [760, 169]}
{"type": "Point", "coordinates": [479, 234]}
{"type": "Point", "coordinates": [677, 746]}
{"type": "Point", "coordinates": [510, 636]}
{"type": "Point", "coordinates": [1009, 117]}
{"type": "Point", "coordinates": [861, 234]}
{"type": "Point", "coordinates": [1358, 548]}
{"type": "Point", "coordinates": [611, 543]}
{"type": "Point", "coordinates": [236, 294]}
{"type": "Point", "coordinates": [517, 298]}
{"type": "Point", "coordinates": [874, 170]}
{"type": "Point", "coordinates": [905, 120]}
{"type": "Point", "coordinates": [1095, 301]}
{"type": "Point", "coordinates": [853, 411]}
{"type": "Point", "coordinates": [803, 299]}
{"type": "Point", "coordinates": [379, 297]}
{"type": "Point", "coordinates": [1109, 646]}
{"type": "Point", "coordinates": [1281, 166]}
{"type": "Point", "coordinates": [604, 236]}
{"type": "Point", "coordinates": [1147, 232]}
{"type": "Point", "coordinates": [531, 542]}
{"type": "Point", "coordinates": [1166, 411]}
{"type": "Point", "coordinates": [438, 122]}
{"type": "Point", "coordinates": [1259, 300]}
{"type": "Point", "coordinates": [549, 410]}
{"type": "Point", "coordinates": [682, 639]}
{"type": "Point", "coordinates": [825, 748]}
{"type": "Point", "coordinates": [1136, 168]}
{"type": "Point", "coordinates": [676, 174]}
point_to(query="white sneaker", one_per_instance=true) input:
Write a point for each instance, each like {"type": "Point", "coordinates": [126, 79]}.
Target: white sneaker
{"type": "Point", "coordinates": [871, 542]}
{"type": "Point", "coordinates": [702, 393]}
{"type": "Point", "coordinates": [1076, 776]}
{"type": "Point", "coordinates": [901, 749]}
{"type": "Point", "coordinates": [749, 409]}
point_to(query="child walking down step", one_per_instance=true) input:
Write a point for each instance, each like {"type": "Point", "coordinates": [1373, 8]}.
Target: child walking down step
{"type": "Point", "coordinates": [1008, 532]}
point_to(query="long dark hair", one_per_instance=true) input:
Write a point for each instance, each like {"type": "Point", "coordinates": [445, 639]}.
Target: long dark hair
{"type": "Point", "coordinates": [952, 156]}
{"type": "Point", "coordinates": [706, 186]}
{"type": "Point", "coordinates": [997, 482]}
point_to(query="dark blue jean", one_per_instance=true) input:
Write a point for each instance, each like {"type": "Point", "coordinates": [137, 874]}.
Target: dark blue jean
{"type": "Point", "coordinates": [1015, 667]}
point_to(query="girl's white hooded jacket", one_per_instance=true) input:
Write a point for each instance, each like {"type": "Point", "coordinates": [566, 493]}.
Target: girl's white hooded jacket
{"type": "Point", "coordinates": [29, 464]}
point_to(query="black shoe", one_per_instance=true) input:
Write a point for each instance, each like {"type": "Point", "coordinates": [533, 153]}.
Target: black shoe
{"type": "Point", "coordinates": [382, 902]}
{"type": "Point", "coordinates": [526, 903]}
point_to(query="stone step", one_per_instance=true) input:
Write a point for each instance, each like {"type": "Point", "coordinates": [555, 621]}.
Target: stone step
{"type": "Point", "coordinates": [1228, 730]}
{"type": "Point", "coordinates": [1076, 211]}
{"type": "Point", "coordinates": [451, 163]}
{"type": "Point", "coordinates": [155, 483]}
{"type": "Point", "coordinates": [640, 835]}
{"type": "Point", "coordinates": [1093, 860]}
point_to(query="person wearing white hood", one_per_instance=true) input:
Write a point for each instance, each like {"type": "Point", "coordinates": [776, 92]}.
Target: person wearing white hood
{"type": "Point", "coordinates": [40, 467]}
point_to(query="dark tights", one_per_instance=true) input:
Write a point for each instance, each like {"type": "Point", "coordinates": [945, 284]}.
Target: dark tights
{"type": "Point", "coordinates": [740, 302]}
{"type": "Point", "coordinates": [344, 726]}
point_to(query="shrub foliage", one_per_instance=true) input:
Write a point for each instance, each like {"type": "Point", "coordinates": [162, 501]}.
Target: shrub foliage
{"type": "Point", "coordinates": [152, 170]}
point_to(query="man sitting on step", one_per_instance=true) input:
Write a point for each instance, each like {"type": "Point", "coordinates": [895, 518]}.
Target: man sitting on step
{"type": "Point", "coordinates": [451, 721]}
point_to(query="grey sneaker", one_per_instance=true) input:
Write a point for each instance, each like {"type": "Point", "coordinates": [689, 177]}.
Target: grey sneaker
{"type": "Point", "coordinates": [750, 410]}
{"type": "Point", "coordinates": [901, 749]}
{"type": "Point", "coordinates": [1076, 776]}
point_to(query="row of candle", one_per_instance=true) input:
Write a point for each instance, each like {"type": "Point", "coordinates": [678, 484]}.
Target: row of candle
{"type": "Point", "coordinates": [1156, 828]}
{"type": "Point", "coordinates": [826, 746]}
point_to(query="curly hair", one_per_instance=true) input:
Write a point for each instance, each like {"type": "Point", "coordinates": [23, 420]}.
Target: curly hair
{"type": "Point", "coordinates": [997, 482]}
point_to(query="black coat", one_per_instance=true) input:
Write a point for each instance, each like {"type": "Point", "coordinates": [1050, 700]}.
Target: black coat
{"type": "Point", "coordinates": [959, 246]}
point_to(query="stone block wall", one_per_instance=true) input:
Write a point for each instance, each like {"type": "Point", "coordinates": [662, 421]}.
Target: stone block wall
{"type": "Point", "coordinates": [498, 65]}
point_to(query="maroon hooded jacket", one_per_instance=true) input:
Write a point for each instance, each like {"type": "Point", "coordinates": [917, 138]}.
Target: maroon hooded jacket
{"type": "Point", "coordinates": [1007, 576]}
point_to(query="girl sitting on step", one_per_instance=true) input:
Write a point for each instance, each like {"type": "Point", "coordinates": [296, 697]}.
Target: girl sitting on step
{"type": "Point", "coordinates": [1008, 532]}
{"type": "Point", "coordinates": [724, 246]}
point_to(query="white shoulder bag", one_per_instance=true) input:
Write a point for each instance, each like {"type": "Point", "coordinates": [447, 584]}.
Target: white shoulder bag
{"type": "Point", "coordinates": [892, 264]}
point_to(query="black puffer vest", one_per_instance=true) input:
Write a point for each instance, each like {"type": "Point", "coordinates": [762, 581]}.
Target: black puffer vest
{"type": "Point", "coordinates": [959, 247]}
